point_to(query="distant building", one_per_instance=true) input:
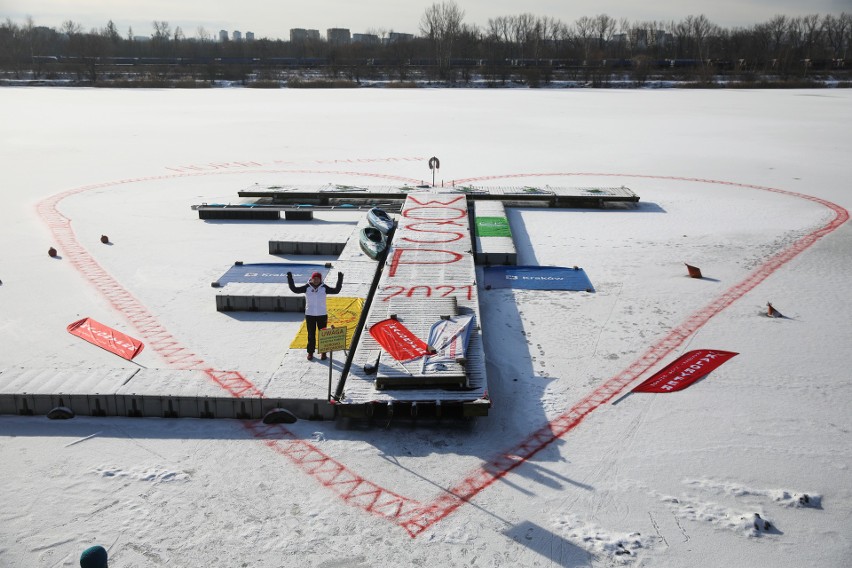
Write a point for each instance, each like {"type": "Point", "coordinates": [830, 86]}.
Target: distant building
{"type": "Point", "coordinates": [141, 38]}
{"type": "Point", "coordinates": [338, 36]}
{"type": "Point", "coordinates": [645, 38]}
{"type": "Point", "coordinates": [249, 36]}
{"type": "Point", "coordinates": [368, 39]}
{"type": "Point", "coordinates": [223, 35]}
{"type": "Point", "coordinates": [237, 35]}
{"type": "Point", "coordinates": [395, 37]}
{"type": "Point", "coordinates": [618, 39]}
{"type": "Point", "coordinates": [300, 34]}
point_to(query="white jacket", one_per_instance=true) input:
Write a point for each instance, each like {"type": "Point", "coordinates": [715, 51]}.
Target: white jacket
{"type": "Point", "coordinates": [315, 301]}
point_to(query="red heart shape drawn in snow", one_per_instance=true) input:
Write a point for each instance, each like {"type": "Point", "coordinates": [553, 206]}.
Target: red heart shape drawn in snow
{"type": "Point", "coordinates": [356, 490]}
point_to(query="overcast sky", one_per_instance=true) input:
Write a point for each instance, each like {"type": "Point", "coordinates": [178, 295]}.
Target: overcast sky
{"type": "Point", "coordinates": [274, 19]}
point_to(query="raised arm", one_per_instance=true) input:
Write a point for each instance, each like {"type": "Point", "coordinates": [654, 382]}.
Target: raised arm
{"type": "Point", "coordinates": [293, 288]}
{"type": "Point", "coordinates": [336, 289]}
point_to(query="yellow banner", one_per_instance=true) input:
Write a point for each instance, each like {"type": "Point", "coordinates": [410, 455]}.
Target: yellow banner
{"type": "Point", "coordinates": [342, 312]}
{"type": "Point", "coordinates": [331, 339]}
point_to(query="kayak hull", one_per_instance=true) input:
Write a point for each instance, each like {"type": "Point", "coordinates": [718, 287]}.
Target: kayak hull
{"type": "Point", "coordinates": [373, 242]}
{"type": "Point", "coordinates": [380, 220]}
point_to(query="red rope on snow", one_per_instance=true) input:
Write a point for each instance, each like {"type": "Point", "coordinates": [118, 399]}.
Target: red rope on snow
{"type": "Point", "coordinates": [561, 425]}
{"type": "Point", "coordinates": [413, 516]}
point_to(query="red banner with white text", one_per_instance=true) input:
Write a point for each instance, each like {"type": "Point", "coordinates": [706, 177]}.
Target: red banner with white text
{"type": "Point", "coordinates": [685, 370]}
{"type": "Point", "coordinates": [398, 340]}
{"type": "Point", "coordinates": [113, 341]}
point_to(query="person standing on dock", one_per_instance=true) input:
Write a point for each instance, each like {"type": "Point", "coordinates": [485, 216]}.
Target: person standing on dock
{"type": "Point", "coordinates": [316, 311]}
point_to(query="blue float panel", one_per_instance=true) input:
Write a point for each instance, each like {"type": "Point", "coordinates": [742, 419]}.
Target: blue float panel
{"type": "Point", "coordinates": [271, 273]}
{"type": "Point", "coordinates": [536, 278]}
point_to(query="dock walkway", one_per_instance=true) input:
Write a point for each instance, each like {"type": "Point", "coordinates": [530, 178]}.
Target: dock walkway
{"type": "Point", "coordinates": [429, 272]}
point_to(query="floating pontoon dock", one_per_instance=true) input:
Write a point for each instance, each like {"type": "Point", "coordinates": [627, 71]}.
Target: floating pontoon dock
{"type": "Point", "coordinates": [429, 272]}
{"type": "Point", "coordinates": [546, 196]}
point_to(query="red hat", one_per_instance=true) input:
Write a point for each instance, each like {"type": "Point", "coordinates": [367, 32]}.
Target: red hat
{"type": "Point", "coordinates": [316, 275]}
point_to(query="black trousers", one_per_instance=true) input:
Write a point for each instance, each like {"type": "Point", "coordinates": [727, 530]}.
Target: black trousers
{"type": "Point", "coordinates": [314, 323]}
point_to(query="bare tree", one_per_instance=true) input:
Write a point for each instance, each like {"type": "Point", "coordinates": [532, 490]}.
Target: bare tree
{"type": "Point", "coordinates": [70, 28]}
{"type": "Point", "coordinates": [501, 28]}
{"type": "Point", "coordinates": [585, 30]}
{"type": "Point", "coordinates": [497, 44]}
{"type": "Point", "coordinates": [604, 28]}
{"type": "Point", "coordinates": [160, 38]}
{"type": "Point", "coordinates": [702, 29]}
{"type": "Point", "coordinates": [812, 32]}
{"type": "Point", "coordinates": [441, 24]}
{"type": "Point", "coordinates": [12, 48]}
{"type": "Point", "coordinates": [111, 33]}
{"type": "Point", "coordinates": [778, 32]}
{"type": "Point", "coordinates": [468, 42]}
{"type": "Point", "coordinates": [35, 45]}
{"type": "Point", "coordinates": [837, 30]}
{"type": "Point", "coordinates": [562, 38]}
{"type": "Point", "coordinates": [162, 30]}
{"type": "Point", "coordinates": [523, 31]}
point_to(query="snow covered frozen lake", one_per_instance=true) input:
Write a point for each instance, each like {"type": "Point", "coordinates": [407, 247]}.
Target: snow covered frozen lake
{"type": "Point", "coordinates": [751, 186]}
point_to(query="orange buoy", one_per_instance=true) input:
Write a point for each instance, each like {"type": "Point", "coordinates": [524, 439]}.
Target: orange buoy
{"type": "Point", "coordinates": [694, 271]}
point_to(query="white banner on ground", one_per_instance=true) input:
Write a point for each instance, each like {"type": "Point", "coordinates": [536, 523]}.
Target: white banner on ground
{"type": "Point", "coordinates": [448, 341]}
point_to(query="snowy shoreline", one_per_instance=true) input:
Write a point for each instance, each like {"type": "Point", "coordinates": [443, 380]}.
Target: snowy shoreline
{"type": "Point", "coordinates": [768, 82]}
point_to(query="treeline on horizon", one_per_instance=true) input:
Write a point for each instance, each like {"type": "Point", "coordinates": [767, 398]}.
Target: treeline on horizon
{"type": "Point", "coordinates": [447, 47]}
